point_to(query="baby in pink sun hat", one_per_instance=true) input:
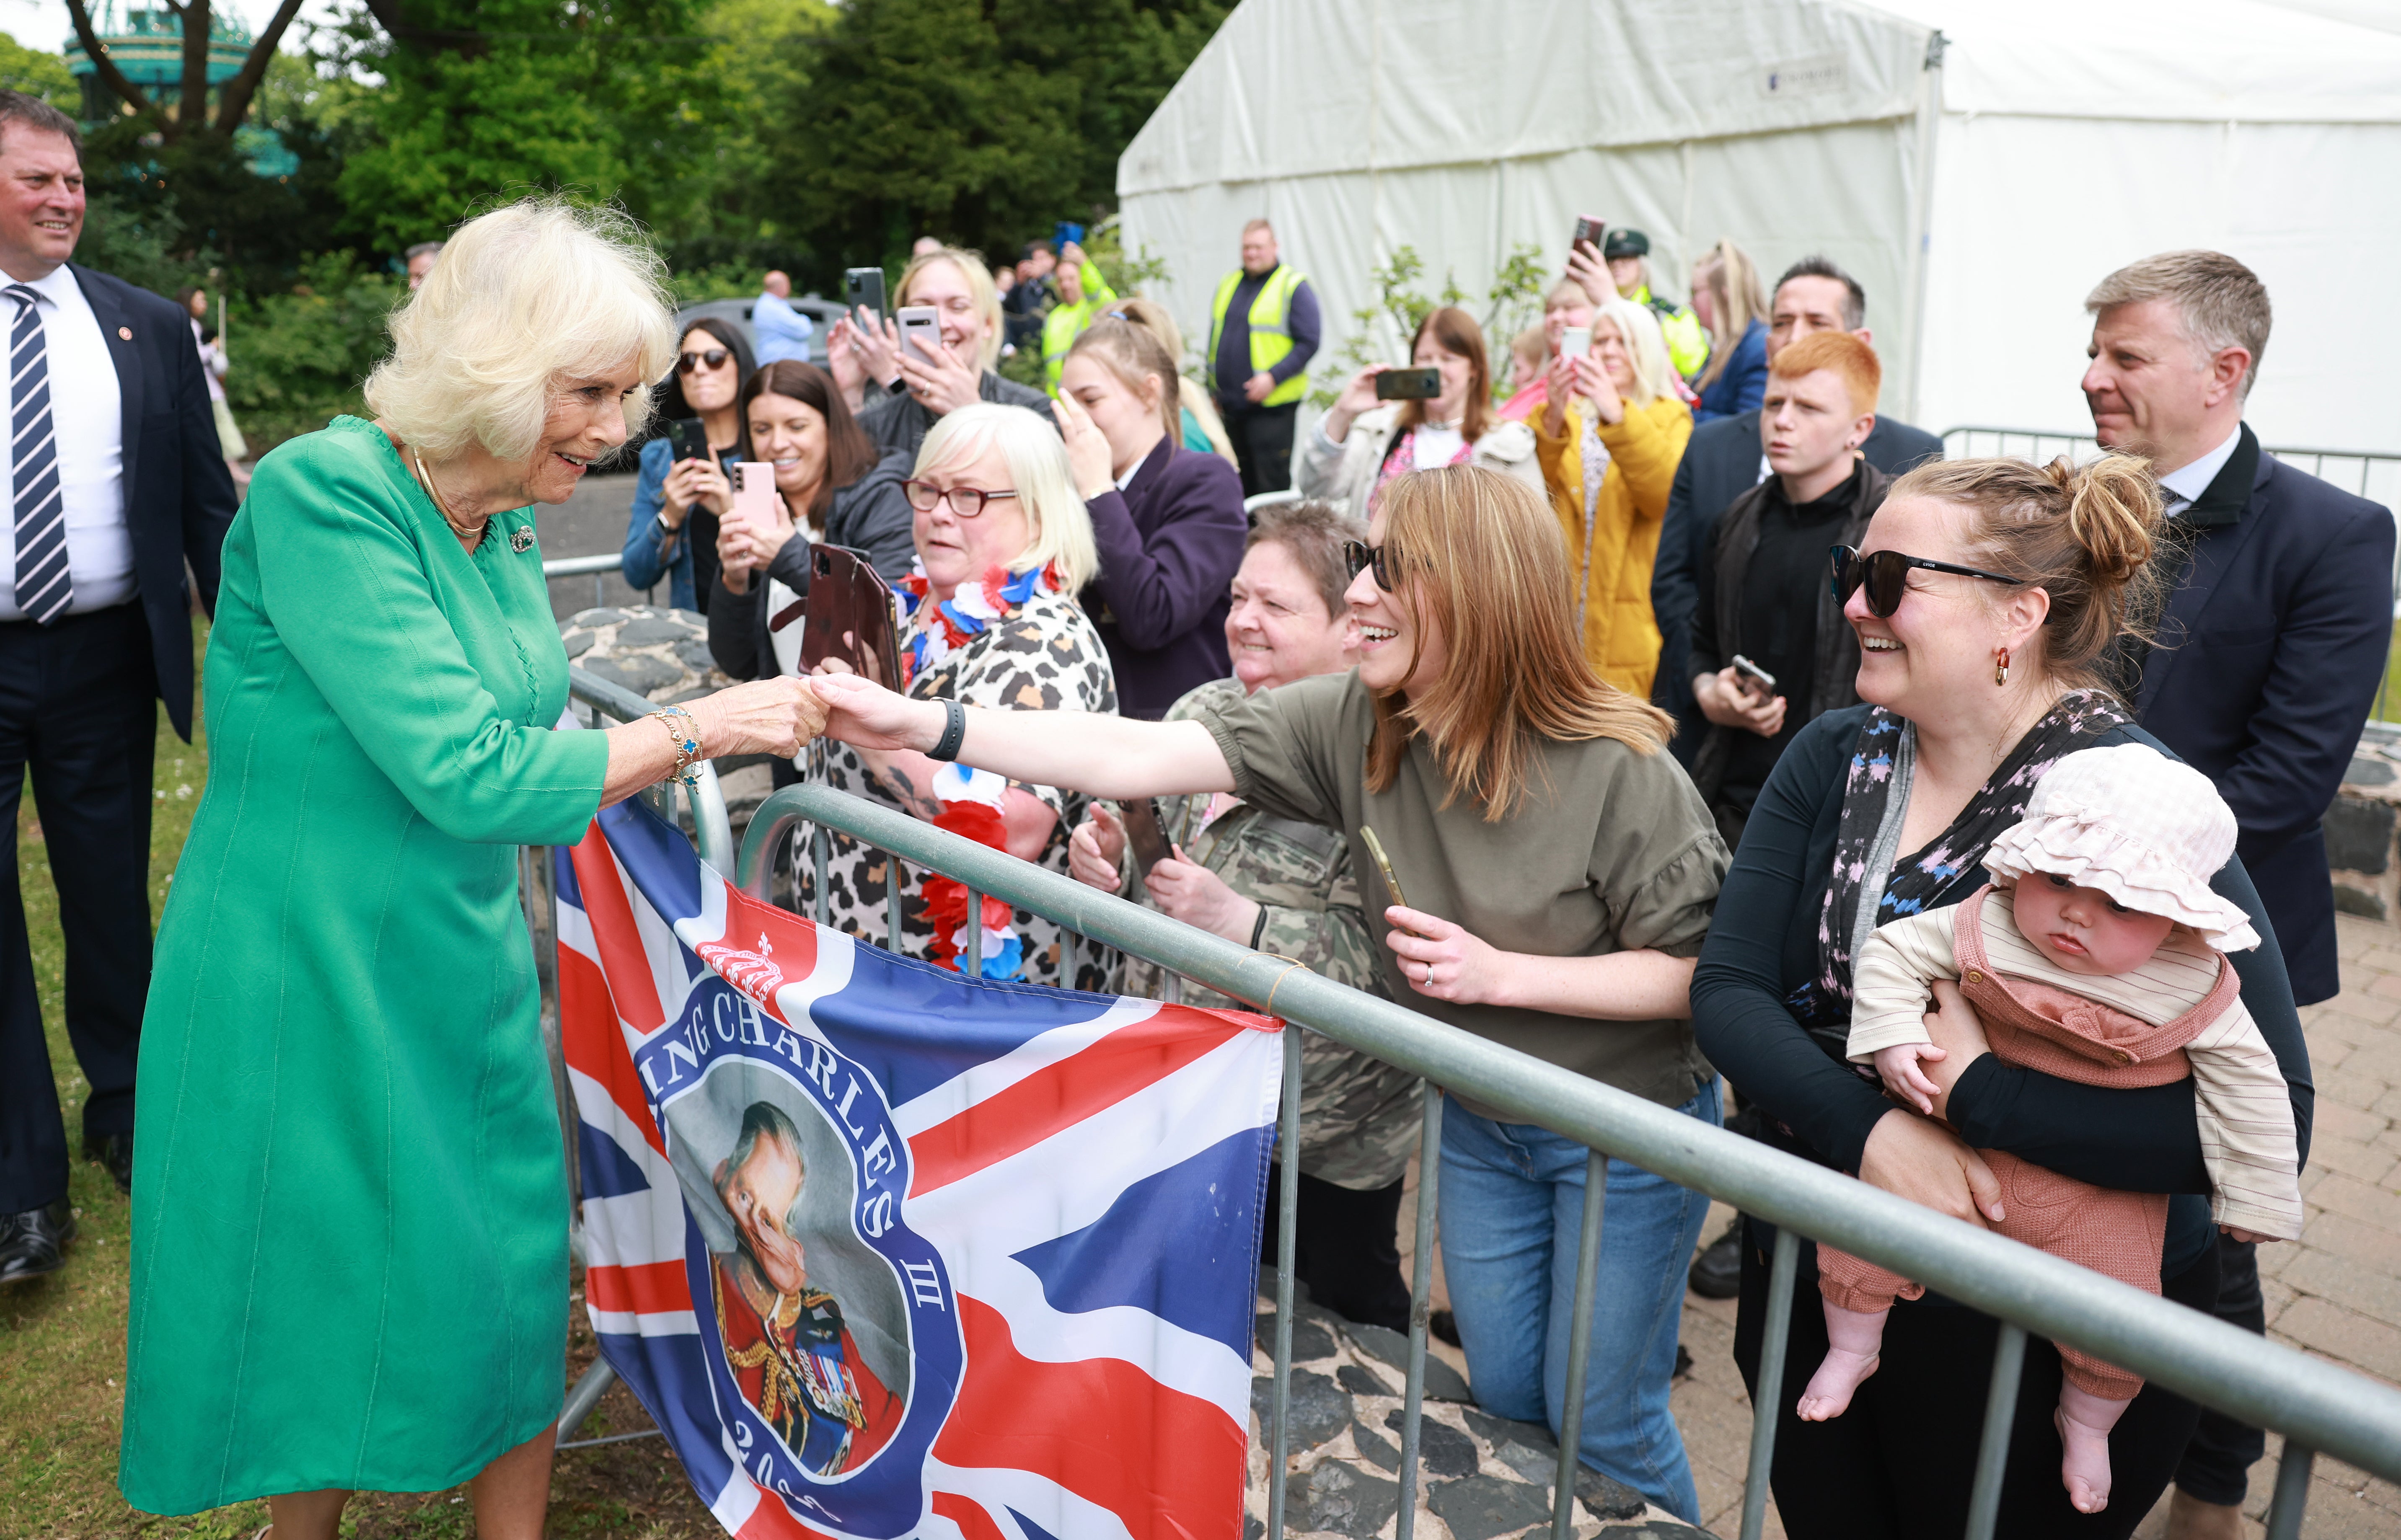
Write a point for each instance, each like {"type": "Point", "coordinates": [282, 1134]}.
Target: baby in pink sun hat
{"type": "Point", "coordinates": [2096, 955]}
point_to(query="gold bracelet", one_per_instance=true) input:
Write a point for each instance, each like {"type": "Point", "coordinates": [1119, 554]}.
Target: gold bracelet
{"type": "Point", "coordinates": [687, 744]}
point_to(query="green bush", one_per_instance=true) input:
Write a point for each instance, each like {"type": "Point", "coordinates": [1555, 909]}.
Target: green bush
{"type": "Point", "coordinates": [300, 358]}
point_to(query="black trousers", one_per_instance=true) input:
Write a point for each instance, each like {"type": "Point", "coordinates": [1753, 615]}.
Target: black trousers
{"type": "Point", "coordinates": [1262, 438]}
{"type": "Point", "coordinates": [1345, 1247]}
{"type": "Point", "coordinates": [79, 708]}
{"type": "Point", "coordinates": [1901, 1463]}
{"type": "Point", "coordinates": [2217, 1462]}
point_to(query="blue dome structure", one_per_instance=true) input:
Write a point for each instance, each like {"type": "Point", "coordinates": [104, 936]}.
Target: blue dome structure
{"type": "Point", "coordinates": [147, 47]}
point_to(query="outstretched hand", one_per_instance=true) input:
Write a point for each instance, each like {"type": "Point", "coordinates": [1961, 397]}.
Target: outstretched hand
{"type": "Point", "coordinates": [865, 714]}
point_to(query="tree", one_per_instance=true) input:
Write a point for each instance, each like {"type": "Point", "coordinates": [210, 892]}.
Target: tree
{"type": "Point", "coordinates": [607, 99]}
{"type": "Point", "coordinates": [38, 74]}
{"type": "Point", "coordinates": [980, 121]}
{"type": "Point", "coordinates": [191, 112]}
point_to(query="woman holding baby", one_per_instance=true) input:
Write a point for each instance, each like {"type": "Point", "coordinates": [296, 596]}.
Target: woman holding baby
{"type": "Point", "coordinates": [1990, 599]}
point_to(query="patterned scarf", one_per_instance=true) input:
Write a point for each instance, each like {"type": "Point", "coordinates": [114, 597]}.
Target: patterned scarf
{"type": "Point", "coordinates": [973, 801]}
{"type": "Point", "coordinates": [1944, 871]}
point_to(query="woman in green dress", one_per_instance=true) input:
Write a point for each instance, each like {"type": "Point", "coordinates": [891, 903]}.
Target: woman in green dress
{"type": "Point", "coordinates": [349, 1223]}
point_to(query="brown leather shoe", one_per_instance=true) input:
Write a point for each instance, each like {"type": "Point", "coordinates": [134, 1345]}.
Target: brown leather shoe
{"type": "Point", "coordinates": [2190, 1518]}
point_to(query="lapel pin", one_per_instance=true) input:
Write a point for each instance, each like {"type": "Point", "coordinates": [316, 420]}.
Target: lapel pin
{"type": "Point", "coordinates": [125, 333]}
{"type": "Point", "coordinates": [521, 540]}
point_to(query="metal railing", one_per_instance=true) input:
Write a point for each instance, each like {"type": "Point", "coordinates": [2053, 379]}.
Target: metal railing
{"type": "Point", "coordinates": [595, 700]}
{"type": "Point", "coordinates": [2373, 474]}
{"type": "Point", "coordinates": [577, 567]}
{"type": "Point", "coordinates": [2317, 1406]}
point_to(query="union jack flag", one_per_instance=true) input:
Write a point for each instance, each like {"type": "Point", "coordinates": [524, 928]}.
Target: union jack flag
{"type": "Point", "coordinates": [887, 1251]}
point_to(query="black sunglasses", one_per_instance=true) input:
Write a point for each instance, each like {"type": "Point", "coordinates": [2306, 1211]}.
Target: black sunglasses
{"type": "Point", "coordinates": [1885, 573]}
{"type": "Point", "coordinates": [1361, 556]}
{"type": "Point", "coordinates": [715, 358]}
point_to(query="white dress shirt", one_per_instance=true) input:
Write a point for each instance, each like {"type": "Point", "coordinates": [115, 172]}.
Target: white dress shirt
{"type": "Point", "coordinates": [86, 410]}
{"type": "Point", "coordinates": [2182, 489]}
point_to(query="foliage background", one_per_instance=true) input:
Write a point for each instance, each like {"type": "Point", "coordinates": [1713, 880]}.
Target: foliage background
{"type": "Point", "coordinates": [744, 134]}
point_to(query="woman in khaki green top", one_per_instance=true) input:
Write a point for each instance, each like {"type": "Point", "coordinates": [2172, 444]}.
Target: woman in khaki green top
{"type": "Point", "coordinates": [1524, 802]}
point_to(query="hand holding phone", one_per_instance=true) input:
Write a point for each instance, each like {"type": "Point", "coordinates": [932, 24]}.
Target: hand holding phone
{"type": "Point", "coordinates": [1757, 680]}
{"type": "Point", "coordinates": [1575, 342]}
{"type": "Point", "coordinates": [1384, 866]}
{"type": "Point", "coordinates": [921, 329]}
{"type": "Point", "coordinates": [863, 288]}
{"type": "Point", "coordinates": [1589, 232]}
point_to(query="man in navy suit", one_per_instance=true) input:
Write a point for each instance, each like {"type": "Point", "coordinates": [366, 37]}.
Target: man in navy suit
{"type": "Point", "coordinates": [2269, 656]}
{"type": "Point", "coordinates": [111, 488]}
{"type": "Point", "coordinates": [1724, 460]}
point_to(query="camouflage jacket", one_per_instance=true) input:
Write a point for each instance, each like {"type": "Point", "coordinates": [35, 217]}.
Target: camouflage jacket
{"type": "Point", "coordinates": [1358, 1115]}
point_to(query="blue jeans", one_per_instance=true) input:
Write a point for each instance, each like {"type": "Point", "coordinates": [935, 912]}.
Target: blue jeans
{"type": "Point", "coordinates": [1512, 1204]}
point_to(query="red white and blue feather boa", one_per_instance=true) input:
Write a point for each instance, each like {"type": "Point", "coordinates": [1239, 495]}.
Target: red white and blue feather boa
{"type": "Point", "coordinates": [972, 799]}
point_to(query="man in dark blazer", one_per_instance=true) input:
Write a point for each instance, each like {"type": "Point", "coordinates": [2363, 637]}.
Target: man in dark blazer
{"type": "Point", "coordinates": [2269, 656]}
{"type": "Point", "coordinates": [1724, 460]}
{"type": "Point", "coordinates": [112, 489]}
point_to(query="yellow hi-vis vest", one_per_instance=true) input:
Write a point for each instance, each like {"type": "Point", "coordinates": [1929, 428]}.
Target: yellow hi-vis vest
{"type": "Point", "coordinates": [1271, 329]}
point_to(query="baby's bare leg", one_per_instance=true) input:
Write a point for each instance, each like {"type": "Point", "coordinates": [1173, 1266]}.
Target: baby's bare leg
{"type": "Point", "coordinates": [2084, 1421]}
{"type": "Point", "coordinates": [1854, 1339]}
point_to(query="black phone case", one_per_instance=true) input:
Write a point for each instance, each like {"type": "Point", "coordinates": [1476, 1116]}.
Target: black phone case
{"type": "Point", "coordinates": [689, 438]}
{"type": "Point", "coordinates": [1145, 835]}
{"type": "Point", "coordinates": [1406, 385]}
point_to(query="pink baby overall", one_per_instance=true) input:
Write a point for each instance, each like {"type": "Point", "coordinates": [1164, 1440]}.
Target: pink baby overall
{"type": "Point", "coordinates": [2036, 1027]}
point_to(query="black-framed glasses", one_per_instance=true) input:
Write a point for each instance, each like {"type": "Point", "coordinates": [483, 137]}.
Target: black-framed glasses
{"type": "Point", "coordinates": [1885, 573]}
{"type": "Point", "coordinates": [1361, 556]}
{"type": "Point", "coordinates": [965, 502]}
{"type": "Point", "coordinates": [715, 359]}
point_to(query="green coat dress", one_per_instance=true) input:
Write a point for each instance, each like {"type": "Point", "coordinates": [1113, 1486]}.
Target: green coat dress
{"type": "Point", "coordinates": [350, 1211]}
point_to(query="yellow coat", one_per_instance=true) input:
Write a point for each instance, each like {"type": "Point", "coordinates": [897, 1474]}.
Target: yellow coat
{"type": "Point", "coordinates": [1611, 558]}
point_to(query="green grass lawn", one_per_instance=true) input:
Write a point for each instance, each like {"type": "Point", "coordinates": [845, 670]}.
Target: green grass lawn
{"type": "Point", "coordinates": [62, 1339]}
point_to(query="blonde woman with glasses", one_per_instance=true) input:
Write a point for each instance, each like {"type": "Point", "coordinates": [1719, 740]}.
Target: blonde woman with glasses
{"type": "Point", "coordinates": [1003, 544]}
{"type": "Point", "coordinates": [1611, 432]}
{"type": "Point", "coordinates": [1525, 803]}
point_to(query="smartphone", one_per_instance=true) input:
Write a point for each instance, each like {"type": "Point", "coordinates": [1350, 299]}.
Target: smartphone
{"type": "Point", "coordinates": [863, 286]}
{"type": "Point", "coordinates": [848, 616]}
{"type": "Point", "coordinates": [1756, 679]}
{"type": "Point", "coordinates": [1575, 342]}
{"type": "Point", "coordinates": [1409, 384]}
{"type": "Point", "coordinates": [1383, 866]}
{"type": "Point", "coordinates": [689, 438]}
{"type": "Point", "coordinates": [1145, 833]}
{"type": "Point", "coordinates": [921, 327]}
{"type": "Point", "coordinates": [1065, 231]}
{"type": "Point", "coordinates": [754, 492]}
{"type": "Point", "coordinates": [1588, 228]}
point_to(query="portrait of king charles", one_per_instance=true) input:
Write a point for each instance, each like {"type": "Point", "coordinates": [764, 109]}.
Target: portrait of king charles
{"type": "Point", "coordinates": [792, 1357]}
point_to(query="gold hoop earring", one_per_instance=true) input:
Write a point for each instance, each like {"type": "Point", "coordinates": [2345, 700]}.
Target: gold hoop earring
{"type": "Point", "coordinates": [2001, 667]}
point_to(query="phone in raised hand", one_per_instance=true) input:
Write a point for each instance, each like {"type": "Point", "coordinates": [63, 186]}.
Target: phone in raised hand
{"type": "Point", "coordinates": [921, 327]}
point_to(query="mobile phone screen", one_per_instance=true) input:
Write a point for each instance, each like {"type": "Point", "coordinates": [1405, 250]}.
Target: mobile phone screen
{"type": "Point", "coordinates": [1145, 833]}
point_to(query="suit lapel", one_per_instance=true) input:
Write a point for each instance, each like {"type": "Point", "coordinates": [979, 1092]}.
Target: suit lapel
{"type": "Point", "coordinates": [2224, 520]}
{"type": "Point", "coordinates": [116, 329]}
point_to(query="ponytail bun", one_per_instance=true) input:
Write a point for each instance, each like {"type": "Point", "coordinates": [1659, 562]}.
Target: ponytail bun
{"type": "Point", "coordinates": [2115, 513]}
{"type": "Point", "coordinates": [2085, 535]}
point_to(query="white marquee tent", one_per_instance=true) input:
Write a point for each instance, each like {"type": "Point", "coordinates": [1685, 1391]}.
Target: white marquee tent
{"type": "Point", "coordinates": [1979, 165]}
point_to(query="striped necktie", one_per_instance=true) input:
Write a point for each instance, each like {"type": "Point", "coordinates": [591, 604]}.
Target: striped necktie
{"type": "Point", "coordinates": [44, 589]}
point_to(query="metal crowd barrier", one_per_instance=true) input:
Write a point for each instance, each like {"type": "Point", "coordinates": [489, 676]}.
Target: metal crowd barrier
{"type": "Point", "coordinates": [2316, 1406]}
{"type": "Point", "coordinates": [596, 701]}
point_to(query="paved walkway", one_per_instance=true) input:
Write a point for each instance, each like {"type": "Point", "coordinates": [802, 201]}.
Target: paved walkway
{"type": "Point", "coordinates": [2336, 1293]}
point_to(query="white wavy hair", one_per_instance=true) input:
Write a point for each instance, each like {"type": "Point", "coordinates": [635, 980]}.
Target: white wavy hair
{"type": "Point", "coordinates": [524, 297]}
{"type": "Point", "coordinates": [1058, 527]}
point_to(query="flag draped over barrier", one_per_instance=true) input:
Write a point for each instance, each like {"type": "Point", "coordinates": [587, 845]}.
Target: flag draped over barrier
{"type": "Point", "coordinates": [887, 1251]}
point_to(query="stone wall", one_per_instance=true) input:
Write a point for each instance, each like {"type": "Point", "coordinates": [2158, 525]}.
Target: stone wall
{"type": "Point", "coordinates": [2361, 828]}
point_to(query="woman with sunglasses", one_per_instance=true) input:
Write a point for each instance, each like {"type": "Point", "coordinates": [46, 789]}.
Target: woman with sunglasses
{"type": "Point", "coordinates": [677, 503]}
{"type": "Point", "coordinates": [1003, 547]}
{"type": "Point", "coordinates": [1990, 599]}
{"type": "Point", "coordinates": [1524, 803]}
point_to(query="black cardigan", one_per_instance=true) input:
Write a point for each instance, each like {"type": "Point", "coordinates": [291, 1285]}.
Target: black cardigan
{"type": "Point", "coordinates": [870, 514]}
{"type": "Point", "coordinates": [1763, 944]}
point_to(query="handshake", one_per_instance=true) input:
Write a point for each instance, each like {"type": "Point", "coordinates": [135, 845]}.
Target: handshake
{"type": "Point", "coordinates": [777, 716]}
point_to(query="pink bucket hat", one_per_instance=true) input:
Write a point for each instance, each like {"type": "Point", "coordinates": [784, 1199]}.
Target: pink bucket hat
{"type": "Point", "coordinates": [2144, 829]}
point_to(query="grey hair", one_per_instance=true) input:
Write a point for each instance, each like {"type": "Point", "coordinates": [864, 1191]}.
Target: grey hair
{"type": "Point", "coordinates": [524, 298]}
{"type": "Point", "coordinates": [424, 248]}
{"type": "Point", "coordinates": [765, 1120]}
{"type": "Point", "coordinates": [2221, 303]}
{"type": "Point", "coordinates": [39, 116]}
{"type": "Point", "coordinates": [1313, 530]}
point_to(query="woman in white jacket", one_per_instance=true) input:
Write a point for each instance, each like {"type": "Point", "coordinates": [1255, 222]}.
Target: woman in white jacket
{"type": "Point", "coordinates": [1358, 445]}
